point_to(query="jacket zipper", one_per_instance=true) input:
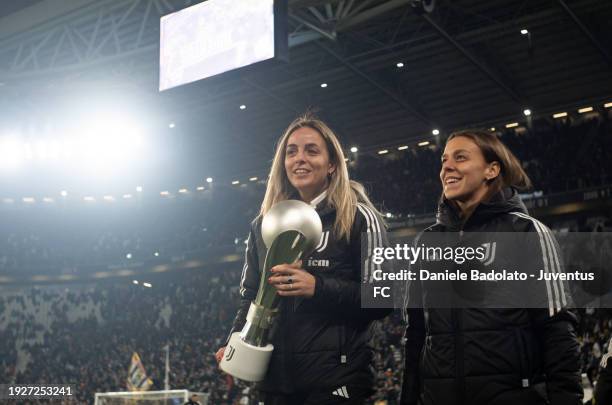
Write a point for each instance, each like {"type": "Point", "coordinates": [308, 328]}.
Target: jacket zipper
{"type": "Point", "coordinates": [456, 316]}
{"type": "Point", "coordinates": [522, 352]}
{"type": "Point", "coordinates": [341, 337]}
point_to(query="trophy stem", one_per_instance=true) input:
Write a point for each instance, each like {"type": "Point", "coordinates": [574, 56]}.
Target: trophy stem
{"type": "Point", "coordinates": [259, 321]}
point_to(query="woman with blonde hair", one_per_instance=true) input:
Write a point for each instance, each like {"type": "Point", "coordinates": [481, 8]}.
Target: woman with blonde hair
{"type": "Point", "coordinates": [322, 352]}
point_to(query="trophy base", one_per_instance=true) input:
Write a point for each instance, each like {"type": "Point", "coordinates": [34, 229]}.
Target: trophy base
{"type": "Point", "coordinates": [245, 361]}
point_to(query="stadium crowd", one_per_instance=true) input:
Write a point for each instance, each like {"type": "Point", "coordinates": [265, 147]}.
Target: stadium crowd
{"type": "Point", "coordinates": [86, 334]}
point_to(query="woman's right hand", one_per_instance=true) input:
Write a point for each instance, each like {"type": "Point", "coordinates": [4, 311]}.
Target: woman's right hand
{"type": "Point", "coordinates": [219, 354]}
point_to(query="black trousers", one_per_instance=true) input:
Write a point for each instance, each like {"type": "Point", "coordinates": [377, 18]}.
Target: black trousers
{"type": "Point", "coordinates": [346, 395]}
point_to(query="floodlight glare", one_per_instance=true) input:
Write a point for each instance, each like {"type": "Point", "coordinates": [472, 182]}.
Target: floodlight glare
{"type": "Point", "coordinates": [209, 179]}
{"type": "Point", "coordinates": [354, 149]}
{"type": "Point", "coordinates": [11, 153]}
{"type": "Point", "coordinates": [527, 112]}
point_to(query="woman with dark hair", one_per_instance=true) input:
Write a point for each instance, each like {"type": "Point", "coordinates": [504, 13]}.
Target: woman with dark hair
{"type": "Point", "coordinates": [322, 353]}
{"type": "Point", "coordinates": [481, 356]}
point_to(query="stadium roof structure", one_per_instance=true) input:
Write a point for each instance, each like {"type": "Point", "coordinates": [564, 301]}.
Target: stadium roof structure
{"type": "Point", "coordinates": [463, 63]}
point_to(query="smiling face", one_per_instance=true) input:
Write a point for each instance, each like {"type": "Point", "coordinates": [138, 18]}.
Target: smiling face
{"type": "Point", "coordinates": [307, 162]}
{"type": "Point", "coordinates": [465, 174]}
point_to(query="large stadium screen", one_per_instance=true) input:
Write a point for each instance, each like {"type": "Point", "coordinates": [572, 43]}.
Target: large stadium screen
{"type": "Point", "coordinates": [217, 36]}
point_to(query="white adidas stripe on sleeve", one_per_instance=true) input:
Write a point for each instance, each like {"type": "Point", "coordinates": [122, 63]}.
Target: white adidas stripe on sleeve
{"type": "Point", "coordinates": [554, 288]}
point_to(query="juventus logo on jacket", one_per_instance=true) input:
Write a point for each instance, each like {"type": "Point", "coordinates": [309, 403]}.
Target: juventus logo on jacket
{"type": "Point", "coordinates": [323, 242]}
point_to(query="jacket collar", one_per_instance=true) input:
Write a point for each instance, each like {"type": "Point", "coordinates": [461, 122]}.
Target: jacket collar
{"type": "Point", "coordinates": [318, 199]}
{"type": "Point", "coordinates": [507, 200]}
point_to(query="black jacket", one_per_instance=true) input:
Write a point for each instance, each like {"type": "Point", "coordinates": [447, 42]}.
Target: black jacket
{"type": "Point", "coordinates": [492, 356]}
{"type": "Point", "coordinates": [324, 341]}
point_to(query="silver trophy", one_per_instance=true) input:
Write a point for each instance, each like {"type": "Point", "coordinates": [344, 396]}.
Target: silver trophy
{"type": "Point", "coordinates": [290, 230]}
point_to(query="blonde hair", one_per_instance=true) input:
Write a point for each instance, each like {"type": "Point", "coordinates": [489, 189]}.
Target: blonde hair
{"type": "Point", "coordinates": [342, 193]}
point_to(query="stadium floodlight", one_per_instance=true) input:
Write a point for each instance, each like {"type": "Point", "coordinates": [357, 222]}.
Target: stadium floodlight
{"type": "Point", "coordinates": [139, 189]}
{"type": "Point", "coordinates": [148, 285]}
{"type": "Point", "coordinates": [53, 149]}
{"type": "Point", "coordinates": [585, 110]}
{"type": "Point", "coordinates": [11, 152]}
{"type": "Point", "coordinates": [28, 200]}
{"type": "Point", "coordinates": [436, 132]}
{"type": "Point", "coordinates": [560, 115]}
{"type": "Point", "coordinates": [399, 65]}
{"type": "Point", "coordinates": [253, 179]}
{"type": "Point", "coordinates": [200, 188]}
{"type": "Point", "coordinates": [47, 199]}
{"type": "Point", "coordinates": [128, 256]}
{"type": "Point", "coordinates": [27, 151]}
{"type": "Point", "coordinates": [106, 141]}
{"type": "Point", "coordinates": [608, 105]}
{"type": "Point", "coordinates": [383, 151]}
{"type": "Point", "coordinates": [156, 254]}
{"type": "Point", "coordinates": [42, 151]}
{"type": "Point", "coordinates": [323, 85]}
{"type": "Point", "coordinates": [492, 129]}
{"type": "Point", "coordinates": [135, 282]}
{"type": "Point", "coordinates": [524, 31]}
{"type": "Point", "coordinates": [63, 193]}
{"type": "Point", "coordinates": [183, 191]}
{"type": "Point", "coordinates": [354, 149]}
{"type": "Point", "coordinates": [108, 198]}
{"type": "Point", "coordinates": [424, 143]}
{"type": "Point", "coordinates": [243, 106]}
{"type": "Point", "coordinates": [171, 125]}
{"type": "Point", "coordinates": [209, 179]}
{"type": "Point", "coordinates": [403, 147]}
{"type": "Point", "coordinates": [89, 198]}
{"type": "Point", "coordinates": [235, 182]}
{"type": "Point", "coordinates": [527, 112]}
{"type": "Point", "coordinates": [512, 125]}
{"type": "Point", "coordinates": [127, 196]}
{"type": "Point", "coordinates": [389, 215]}
{"type": "Point", "coordinates": [164, 193]}
{"type": "Point", "coordinates": [67, 148]}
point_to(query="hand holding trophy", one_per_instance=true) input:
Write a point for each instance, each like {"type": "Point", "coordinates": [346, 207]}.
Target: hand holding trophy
{"type": "Point", "coordinates": [290, 230]}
